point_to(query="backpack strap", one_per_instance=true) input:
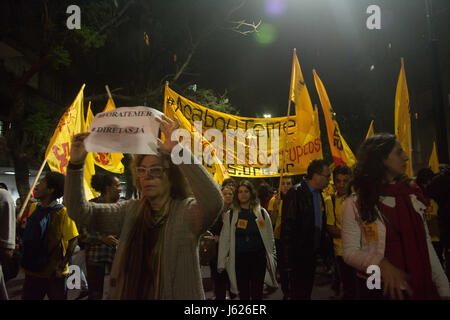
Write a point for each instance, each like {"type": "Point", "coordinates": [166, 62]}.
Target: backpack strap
{"type": "Point", "coordinates": [54, 209]}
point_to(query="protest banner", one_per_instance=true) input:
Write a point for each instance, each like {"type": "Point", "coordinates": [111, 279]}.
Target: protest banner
{"type": "Point", "coordinates": [131, 130]}
{"type": "Point", "coordinates": [247, 148]}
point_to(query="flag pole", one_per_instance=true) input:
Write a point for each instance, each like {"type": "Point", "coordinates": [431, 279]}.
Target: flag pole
{"type": "Point", "coordinates": [109, 92]}
{"type": "Point", "coordinates": [287, 122]}
{"type": "Point", "coordinates": [24, 205]}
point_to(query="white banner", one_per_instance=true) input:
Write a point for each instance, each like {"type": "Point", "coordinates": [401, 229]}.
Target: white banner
{"type": "Point", "coordinates": [124, 130]}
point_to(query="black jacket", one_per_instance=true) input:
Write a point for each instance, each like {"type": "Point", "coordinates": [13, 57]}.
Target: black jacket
{"type": "Point", "coordinates": [297, 229]}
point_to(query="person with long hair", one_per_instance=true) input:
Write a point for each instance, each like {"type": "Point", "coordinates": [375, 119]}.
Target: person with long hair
{"type": "Point", "coordinates": [383, 225]}
{"type": "Point", "coordinates": [247, 246]}
{"type": "Point", "coordinates": [157, 256]}
{"type": "Point", "coordinates": [100, 248]}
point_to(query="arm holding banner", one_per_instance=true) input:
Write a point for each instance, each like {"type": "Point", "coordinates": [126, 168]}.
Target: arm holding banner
{"type": "Point", "coordinates": [207, 205]}
{"type": "Point", "coordinates": [109, 217]}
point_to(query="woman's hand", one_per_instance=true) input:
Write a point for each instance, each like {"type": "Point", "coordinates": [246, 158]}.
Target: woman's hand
{"type": "Point", "coordinates": [167, 127]}
{"type": "Point", "coordinates": [77, 151]}
{"type": "Point", "coordinates": [395, 281]}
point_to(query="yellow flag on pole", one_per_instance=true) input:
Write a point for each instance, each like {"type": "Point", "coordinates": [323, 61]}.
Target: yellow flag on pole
{"type": "Point", "coordinates": [58, 150]}
{"type": "Point", "coordinates": [111, 162]}
{"type": "Point", "coordinates": [110, 105]}
{"type": "Point", "coordinates": [341, 152]}
{"type": "Point", "coordinates": [89, 167]}
{"type": "Point", "coordinates": [307, 120]}
{"type": "Point", "coordinates": [89, 116]}
{"type": "Point", "coordinates": [370, 132]}
{"type": "Point", "coordinates": [433, 163]}
{"type": "Point", "coordinates": [402, 118]}
{"type": "Point", "coordinates": [303, 106]}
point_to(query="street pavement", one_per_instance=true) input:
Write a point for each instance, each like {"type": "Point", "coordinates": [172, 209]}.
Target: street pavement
{"type": "Point", "coordinates": [321, 291]}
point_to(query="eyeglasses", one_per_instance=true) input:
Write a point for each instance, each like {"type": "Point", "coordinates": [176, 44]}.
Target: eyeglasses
{"type": "Point", "coordinates": [155, 172]}
{"type": "Point", "coordinates": [328, 176]}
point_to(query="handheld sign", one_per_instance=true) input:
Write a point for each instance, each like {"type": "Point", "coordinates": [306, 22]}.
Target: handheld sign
{"type": "Point", "coordinates": [124, 130]}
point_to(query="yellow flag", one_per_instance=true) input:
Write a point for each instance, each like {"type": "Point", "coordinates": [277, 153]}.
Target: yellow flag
{"type": "Point", "coordinates": [434, 162]}
{"type": "Point", "coordinates": [110, 105]}
{"type": "Point", "coordinates": [89, 116]}
{"type": "Point", "coordinates": [402, 118]}
{"type": "Point", "coordinates": [111, 162]}
{"type": "Point", "coordinates": [220, 174]}
{"type": "Point", "coordinates": [303, 106]}
{"type": "Point", "coordinates": [339, 149]}
{"type": "Point", "coordinates": [89, 167]}
{"type": "Point", "coordinates": [307, 120]}
{"type": "Point", "coordinates": [58, 150]}
{"type": "Point", "coordinates": [370, 132]}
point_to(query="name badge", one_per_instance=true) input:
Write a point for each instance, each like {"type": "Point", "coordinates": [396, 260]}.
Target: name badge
{"type": "Point", "coordinates": [261, 223]}
{"type": "Point", "coordinates": [370, 232]}
{"type": "Point", "coordinates": [242, 224]}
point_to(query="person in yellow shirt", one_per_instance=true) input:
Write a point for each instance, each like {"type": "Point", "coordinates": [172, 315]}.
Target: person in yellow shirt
{"type": "Point", "coordinates": [333, 207]}
{"type": "Point", "coordinates": [49, 239]}
{"type": "Point", "coordinates": [274, 208]}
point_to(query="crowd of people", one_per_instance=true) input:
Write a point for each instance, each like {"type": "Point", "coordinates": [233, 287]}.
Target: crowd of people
{"type": "Point", "coordinates": [263, 239]}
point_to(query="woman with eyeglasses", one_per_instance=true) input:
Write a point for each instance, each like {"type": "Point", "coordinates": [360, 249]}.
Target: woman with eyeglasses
{"type": "Point", "coordinates": [247, 246]}
{"type": "Point", "coordinates": [384, 227]}
{"type": "Point", "coordinates": [157, 257]}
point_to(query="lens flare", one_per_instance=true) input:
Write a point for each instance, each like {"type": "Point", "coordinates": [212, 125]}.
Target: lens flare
{"type": "Point", "coordinates": [275, 7]}
{"type": "Point", "coordinates": [266, 34]}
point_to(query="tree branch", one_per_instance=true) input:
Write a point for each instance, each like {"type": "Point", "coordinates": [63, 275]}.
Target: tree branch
{"type": "Point", "coordinates": [252, 27]}
{"type": "Point", "coordinates": [236, 8]}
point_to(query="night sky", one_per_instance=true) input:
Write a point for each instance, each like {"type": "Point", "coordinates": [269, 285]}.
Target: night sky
{"type": "Point", "coordinates": [330, 36]}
